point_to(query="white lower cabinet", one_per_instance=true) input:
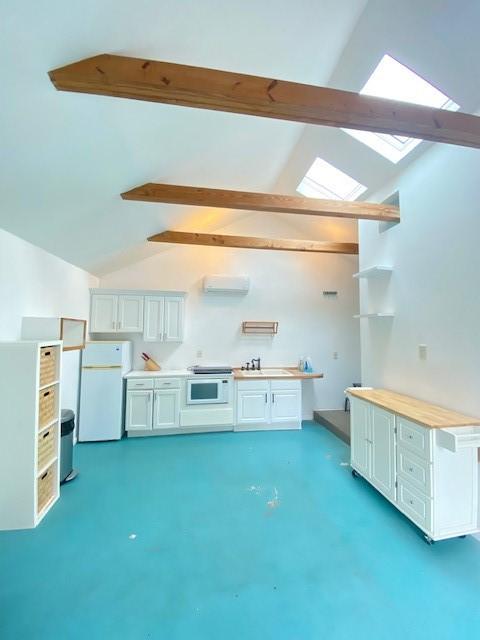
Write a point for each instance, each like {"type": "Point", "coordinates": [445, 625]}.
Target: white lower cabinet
{"type": "Point", "coordinates": [139, 410]}
{"type": "Point", "coordinates": [166, 413]}
{"type": "Point", "coordinates": [421, 470]}
{"type": "Point", "coordinates": [152, 404]}
{"type": "Point", "coordinates": [268, 404]}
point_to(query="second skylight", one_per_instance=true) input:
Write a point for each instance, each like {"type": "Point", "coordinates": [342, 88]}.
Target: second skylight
{"type": "Point", "coordinates": [394, 81]}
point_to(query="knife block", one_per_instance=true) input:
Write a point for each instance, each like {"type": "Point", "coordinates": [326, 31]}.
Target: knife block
{"type": "Point", "coordinates": [151, 365]}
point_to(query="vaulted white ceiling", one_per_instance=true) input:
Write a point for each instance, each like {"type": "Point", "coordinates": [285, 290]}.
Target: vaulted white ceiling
{"type": "Point", "coordinates": [66, 157]}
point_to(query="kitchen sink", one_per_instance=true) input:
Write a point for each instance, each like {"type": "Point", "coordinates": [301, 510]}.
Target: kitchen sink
{"type": "Point", "coordinates": [269, 373]}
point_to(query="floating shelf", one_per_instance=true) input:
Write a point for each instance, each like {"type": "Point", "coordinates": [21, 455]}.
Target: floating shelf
{"type": "Point", "coordinates": [374, 315]}
{"type": "Point", "coordinates": [260, 328]}
{"type": "Point", "coordinates": [373, 272]}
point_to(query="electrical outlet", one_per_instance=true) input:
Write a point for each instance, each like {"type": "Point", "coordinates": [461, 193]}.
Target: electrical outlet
{"type": "Point", "coordinates": [335, 355]}
{"type": "Point", "coordinates": [422, 351]}
{"type": "Point", "coordinates": [199, 353]}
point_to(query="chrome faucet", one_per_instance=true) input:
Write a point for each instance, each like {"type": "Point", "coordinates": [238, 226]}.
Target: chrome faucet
{"type": "Point", "coordinates": [256, 360]}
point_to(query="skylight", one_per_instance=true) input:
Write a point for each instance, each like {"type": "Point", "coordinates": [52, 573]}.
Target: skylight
{"type": "Point", "coordinates": [393, 80]}
{"type": "Point", "coordinates": [323, 180]}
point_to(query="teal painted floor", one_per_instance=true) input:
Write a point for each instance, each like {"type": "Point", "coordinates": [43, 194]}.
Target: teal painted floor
{"type": "Point", "coordinates": [238, 536]}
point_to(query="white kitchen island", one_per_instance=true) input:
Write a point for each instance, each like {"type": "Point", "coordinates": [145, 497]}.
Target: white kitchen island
{"type": "Point", "coordinates": [421, 457]}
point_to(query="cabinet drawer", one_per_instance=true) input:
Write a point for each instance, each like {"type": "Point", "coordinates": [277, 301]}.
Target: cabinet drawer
{"type": "Point", "coordinates": [417, 506]}
{"type": "Point", "coordinates": [47, 406]}
{"type": "Point", "coordinates": [285, 385]}
{"type": "Point", "coordinates": [48, 365]}
{"type": "Point", "coordinates": [253, 385]}
{"type": "Point", "coordinates": [140, 383]}
{"type": "Point", "coordinates": [47, 446]}
{"type": "Point", "coordinates": [414, 437]}
{"type": "Point", "coordinates": [415, 470]}
{"type": "Point", "coordinates": [167, 383]}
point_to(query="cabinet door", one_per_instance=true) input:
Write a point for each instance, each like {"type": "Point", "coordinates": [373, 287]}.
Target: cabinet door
{"type": "Point", "coordinates": [253, 407]}
{"type": "Point", "coordinates": [174, 320]}
{"type": "Point", "coordinates": [167, 409]}
{"type": "Point", "coordinates": [285, 406]}
{"type": "Point", "coordinates": [360, 436]}
{"type": "Point", "coordinates": [139, 410]}
{"type": "Point", "coordinates": [103, 313]}
{"type": "Point", "coordinates": [130, 314]}
{"type": "Point", "coordinates": [154, 319]}
{"type": "Point", "coordinates": [382, 469]}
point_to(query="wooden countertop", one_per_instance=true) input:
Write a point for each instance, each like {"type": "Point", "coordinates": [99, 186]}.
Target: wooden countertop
{"type": "Point", "coordinates": [428, 415]}
{"type": "Point", "coordinates": [238, 374]}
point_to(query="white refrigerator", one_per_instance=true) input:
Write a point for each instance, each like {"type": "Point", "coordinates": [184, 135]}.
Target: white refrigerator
{"type": "Point", "coordinates": [101, 390]}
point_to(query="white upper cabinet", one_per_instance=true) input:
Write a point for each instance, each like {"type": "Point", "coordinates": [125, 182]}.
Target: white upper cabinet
{"type": "Point", "coordinates": [154, 319]}
{"type": "Point", "coordinates": [103, 313]}
{"type": "Point", "coordinates": [159, 315]}
{"type": "Point", "coordinates": [130, 314]}
{"type": "Point", "coordinates": [174, 321]}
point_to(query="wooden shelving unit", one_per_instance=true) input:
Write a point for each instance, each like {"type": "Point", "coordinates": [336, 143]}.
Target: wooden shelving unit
{"type": "Point", "coordinates": [259, 327]}
{"type": "Point", "coordinates": [30, 433]}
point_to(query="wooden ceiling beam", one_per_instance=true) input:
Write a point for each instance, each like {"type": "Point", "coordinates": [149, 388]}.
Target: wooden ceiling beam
{"type": "Point", "coordinates": [247, 242]}
{"type": "Point", "coordinates": [222, 198]}
{"type": "Point", "coordinates": [177, 84]}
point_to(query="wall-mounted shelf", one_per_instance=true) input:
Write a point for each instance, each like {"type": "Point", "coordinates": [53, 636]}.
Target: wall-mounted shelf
{"type": "Point", "coordinates": [260, 328]}
{"type": "Point", "coordinates": [373, 272]}
{"type": "Point", "coordinates": [374, 315]}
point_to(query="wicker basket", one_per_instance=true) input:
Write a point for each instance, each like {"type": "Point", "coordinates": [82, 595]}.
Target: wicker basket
{"type": "Point", "coordinates": [47, 406]}
{"type": "Point", "coordinates": [47, 446]}
{"type": "Point", "coordinates": [48, 365]}
{"type": "Point", "coordinates": [46, 488]}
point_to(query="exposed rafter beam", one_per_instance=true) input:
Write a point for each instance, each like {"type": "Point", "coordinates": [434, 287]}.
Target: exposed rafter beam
{"type": "Point", "coordinates": [247, 242]}
{"type": "Point", "coordinates": [203, 197]}
{"type": "Point", "coordinates": [178, 84]}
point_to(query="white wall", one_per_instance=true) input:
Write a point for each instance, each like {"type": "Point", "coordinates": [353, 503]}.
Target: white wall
{"type": "Point", "coordinates": [36, 283]}
{"type": "Point", "coordinates": [286, 287]}
{"type": "Point", "coordinates": [434, 288]}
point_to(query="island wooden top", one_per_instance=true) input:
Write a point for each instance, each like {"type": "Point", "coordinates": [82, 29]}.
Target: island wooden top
{"type": "Point", "coordinates": [238, 374]}
{"type": "Point", "coordinates": [428, 415]}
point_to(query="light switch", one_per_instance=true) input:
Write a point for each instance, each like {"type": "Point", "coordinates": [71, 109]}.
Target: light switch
{"type": "Point", "coordinates": [422, 351]}
{"type": "Point", "coordinates": [199, 353]}
{"type": "Point", "coordinates": [335, 355]}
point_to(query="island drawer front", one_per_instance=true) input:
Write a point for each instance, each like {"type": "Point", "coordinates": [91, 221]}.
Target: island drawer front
{"type": "Point", "coordinates": [417, 506]}
{"type": "Point", "coordinates": [414, 438]}
{"type": "Point", "coordinates": [415, 470]}
{"type": "Point", "coordinates": [458, 438]}
{"type": "Point", "coordinates": [140, 383]}
{"type": "Point", "coordinates": [167, 383]}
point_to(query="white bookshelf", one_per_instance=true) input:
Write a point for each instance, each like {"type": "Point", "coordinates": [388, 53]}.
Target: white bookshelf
{"type": "Point", "coordinates": [29, 431]}
{"type": "Point", "coordinates": [373, 272]}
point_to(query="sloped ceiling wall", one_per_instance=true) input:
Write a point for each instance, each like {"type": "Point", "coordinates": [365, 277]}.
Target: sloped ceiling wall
{"type": "Point", "coordinates": [66, 157]}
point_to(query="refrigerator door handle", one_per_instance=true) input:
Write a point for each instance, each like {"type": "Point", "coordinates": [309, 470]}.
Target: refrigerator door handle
{"type": "Point", "coordinates": [102, 366]}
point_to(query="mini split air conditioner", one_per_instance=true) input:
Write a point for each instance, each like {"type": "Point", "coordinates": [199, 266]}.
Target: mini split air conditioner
{"type": "Point", "coordinates": [226, 284]}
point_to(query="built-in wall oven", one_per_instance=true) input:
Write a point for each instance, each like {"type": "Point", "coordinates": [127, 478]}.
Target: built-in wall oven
{"type": "Point", "coordinates": [205, 390]}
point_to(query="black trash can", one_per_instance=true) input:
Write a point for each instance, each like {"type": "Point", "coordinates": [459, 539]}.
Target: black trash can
{"type": "Point", "coordinates": [66, 446]}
